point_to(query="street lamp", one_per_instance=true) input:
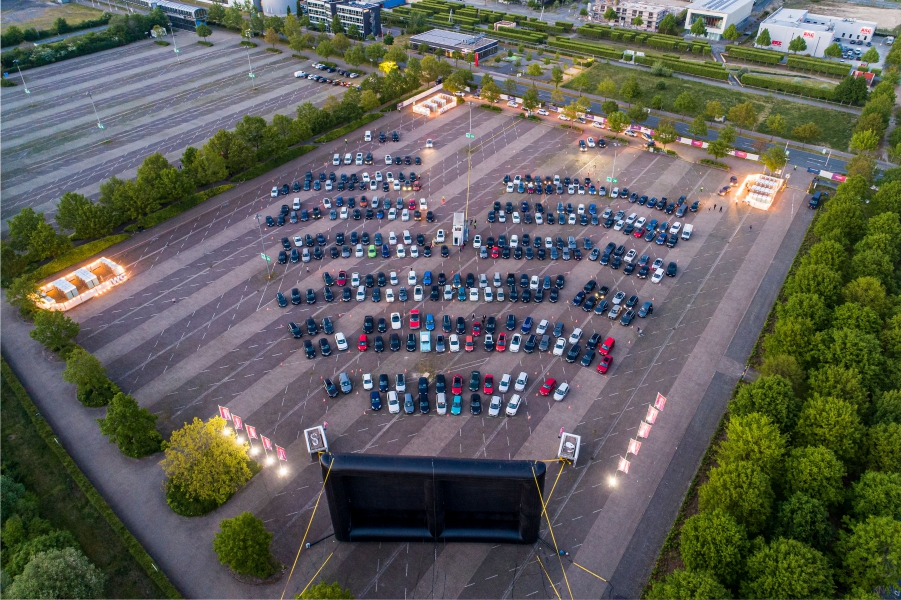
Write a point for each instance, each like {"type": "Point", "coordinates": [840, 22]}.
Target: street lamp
{"type": "Point", "coordinates": [174, 41]}
{"type": "Point", "coordinates": [99, 124]}
{"type": "Point", "coordinates": [469, 137]}
{"type": "Point", "coordinates": [263, 245]}
{"type": "Point", "coordinates": [249, 66]}
{"type": "Point", "coordinates": [27, 91]}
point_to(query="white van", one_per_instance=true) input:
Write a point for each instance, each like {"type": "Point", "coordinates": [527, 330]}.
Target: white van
{"type": "Point", "coordinates": [367, 137]}
{"type": "Point", "coordinates": [348, 158]}
{"type": "Point", "coordinates": [336, 160]}
{"type": "Point", "coordinates": [686, 231]}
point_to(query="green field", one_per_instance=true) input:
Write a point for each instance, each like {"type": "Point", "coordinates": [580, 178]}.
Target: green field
{"type": "Point", "coordinates": [43, 18]}
{"type": "Point", "coordinates": [31, 461]}
{"type": "Point", "coordinates": [835, 126]}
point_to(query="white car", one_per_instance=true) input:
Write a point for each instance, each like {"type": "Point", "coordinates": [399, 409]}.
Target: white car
{"type": "Point", "coordinates": [358, 251]}
{"type": "Point", "coordinates": [389, 177]}
{"type": "Point", "coordinates": [354, 279]}
{"type": "Point", "coordinates": [539, 220]}
{"type": "Point", "coordinates": [345, 214]}
{"type": "Point", "coordinates": [396, 186]}
{"type": "Point", "coordinates": [392, 278]}
{"type": "Point", "coordinates": [439, 236]}
{"type": "Point", "coordinates": [448, 292]}
{"type": "Point", "coordinates": [502, 217]}
{"type": "Point", "coordinates": [597, 124]}
{"type": "Point", "coordinates": [483, 280]}
{"type": "Point", "coordinates": [514, 239]}
{"type": "Point", "coordinates": [389, 160]}
{"type": "Point", "coordinates": [340, 341]}
{"type": "Point", "coordinates": [423, 204]}
{"type": "Point", "coordinates": [580, 209]}
{"type": "Point", "coordinates": [454, 343]}
{"type": "Point", "coordinates": [404, 214]}
{"type": "Point", "coordinates": [411, 278]}
{"type": "Point", "coordinates": [591, 143]}
{"type": "Point", "coordinates": [619, 225]}
{"type": "Point", "coordinates": [396, 322]}
{"type": "Point", "coordinates": [474, 294]}
{"type": "Point", "coordinates": [675, 228]}
{"type": "Point", "coordinates": [631, 218]}
{"type": "Point", "coordinates": [510, 187]}
{"type": "Point", "coordinates": [543, 112]}
{"type": "Point", "coordinates": [513, 405]}
{"type": "Point", "coordinates": [414, 251]}
{"type": "Point", "coordinates": [570, 189]}
{"type": "Point", "coordinates": [367, 381]}
{"type": "Point", "coordinates": [563, 117]}
{"type": "Point", "coordinates": [488, 294]}
{"type": "Point", "coordinates": [630, 256]}
{"type": "Point", "coordinates": [504, 385]}
{"type": "Point", "coordinates": [658, 264]}
{"type": "Point", "coordinates": [298, 241]}
{"type": "Point", "coordinates": [619, 297]}
{"type": "Point", "coordinates": [499, 295]}
{"type": "Point", "coordinates": [559, 346]}
{"type": "Point", "coordinates": [365, 176]}
{"type": "Point", "coordinates": [542, 327]}
{"type": "Point", "coordinates": [575, 336]}
{"type": "Point", "coordinates": [392, 237]}
{"type": "Point", "coordinates": [494, 409]}
{"type": "Point", "coordinates": [572, 219]}
{"type": "Point", "coordinates": [476, 242]}
{"type": "Point", "coordinates": [581, 192]}
{"type": "Point", "coordinates": [274, 193]}
{"type": "Point", "coordinates": [359, 160]}
{"type": "Point", "coordinates": [378, 176]}
{"type": "Point", "coordinates": [516, 218]}
{"type": "Point", "coordinates": [561, 392]}
{"type": "Point", "coordinates": [373, 186]}
{"type": "Point", "coordinates": [640, 222]}
{"type": "Point", "coordinates": [392, 215]}
{"type": "Point", "coordinates": [522, 380]}
{"type": "Point", "coordinates": [614, 312]}
{"type": "Point", "coordinates": [361, 293]}
{"type": "Point", "coordinates": [614, 193]}
{"type": "Point", "coordinates": [512, 103]}
{"type": "Point", "coordinates": [515, 342]}
{"type": "Point", "coordinates": [389, 295]}
{"type": "Point", "coordinates": [327, 203]}
{"type": "Point", "coordinates": [441, 403]}
{"type": "Point", "coordinates": [657, 277]}
{"type": "Point", "coordinates": [329, 186]}
{"type": "Point", "coordinates": [393, 404]}
{"type": "Point", "coordinates": [401, 251]}
{"type": "Point", "coordinates": [417, 293]}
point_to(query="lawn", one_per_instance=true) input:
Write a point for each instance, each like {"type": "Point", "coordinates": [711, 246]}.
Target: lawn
{"type": "Point", "coordinates": [62, 502]}
{"type": "Point", "coordinates": [43, 18]}
{"type": "Point", "coordinates": [835, 126]}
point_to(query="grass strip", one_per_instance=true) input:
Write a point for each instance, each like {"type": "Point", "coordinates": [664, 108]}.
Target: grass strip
{"type": "Point", "coordinates": [341, 131]}
{"type": "Point", "coordinates": [46, 432]}
{"type": "Point", "coordinates": [272, 163]}
{"type": "Point", "coordinates": [78, 254]}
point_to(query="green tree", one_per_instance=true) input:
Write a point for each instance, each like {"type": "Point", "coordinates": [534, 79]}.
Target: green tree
{"type": "Point", "coordinates": [788, 569]}
{"type": "Point", "coordinates": [429, 68]}
{"type": "Point", "coordinates": [556, 76]}
{"type": "Point", "coordinates": [786, 367]}
{"type": "Point", "coordinates": [698, 29]}
{"type": "Point", "coordinates": [774, 158]}
{"type": "Point", "coordinates": [698, 127]}
{"type": "Point", "coordinates": [12, 264]}
{"type": "Point", "coordinates": [65, 573]}
{"type": "Point", "coordinates": [870, 56]}
{"type": "Point", "coordinates": [860, 351]}
{"type": "Point", "coordinates": [714, 542]}
{"type": "Point", "coordinates": [685, 103]}
{"type": "Point", "coordinates": [687, 585]}
{"type": "Point", "coordinates": [510, 87]}
{"type": "Point", "coordinates": [754, 438]}
{"type": "Point", "coordinates": [84, 370]}
{"type": "Point", "coordinates": [291, 27]}
{"type": "Point", "coordinates": [815, 279]}
{"type": "Point", "coordinates": [377, 51]}
{"type": "Point", "coordinates": [630, 90]}
{"type": "Point", "coordinates": [667, 24]}
{"type": "Point", "coordinates": [867, 291]}
{"type": "Point", "coordinates": [13, 36]}
{"type": "Point", "coordinates": [355, 55]}
{"type": "Point", "coordinates": [840, 382]}
{"type": "Point", "coordinates": [855, 316]}
{"type": "Point", "coordinates": [271, 36]}
{"type": "Point", "coordinates": [797, 45]}
{"type": "Point", "coordinates": [807, 132]}
{"type": "Point", "coordinates": [54, 330]}
{"type": "Point", "coordinates": [834, 50]}
{"type": "Point", "coordinates": [637, 20]}
{"type": "Point", "coordinates": [863, 165]}
{"type": "Point", "coordinates": [718, 148]}
{"type": "Point", "coordinates": [609, 107]}
{"type": "Point", "coordinates": [731, 33]}
{"type": "Point", "coordinates": [829, 253]}
{"type": "Point", "coordinates": [887, 407]}
{"type": "Point", "coordinates": [831, 423]}
{"type": "Point", "coordinates": [884, 450]}
{"type": "Point", "coordinates": [864, 141]}
{"type": "Point", "coordinates": [607, 88]}
{"type": "Point", "coordinates": [530, 99]}
{"type": "Point", "coordinates": [242, 544]}
{"type": "Point", "coordinates": [714, 109]}
{"type": "Point", "coordinates": [795, 337]}
{"type": "Point", "coordinates": [490, 91]}
{"type": "Point", "coordinates": [776, 125]}
{"type": "Point", "coordinates": [617, 122]}
{"type": "Point", "coordinates": [740, 489]}
{"type": "Point", "coordinates": [369, 100]}
{"type": "Point", "coordinates": [871, 553]}
{"type": "Point", "coordinates": [852, 90]}
{"type": "Point", "coordinates": [28, 232]}
{"type": "Point", "coordinates": [534, 70]}
{"type": "Point", "coordinates": [86, 219]}
{"type": "Point", "coordinates": [233, 19]}
{"type": "Point", "coordinates": [804, 519]}
{"type": "Point", "coordinates": [666, 133]}
{"type": "Point", "coordinates": [203, 463]}
{"type": "Point", "coordinates": [130, 427]}
{"type": "Point", "coordinates": [336, 26]}
{"type": "Point", "coordinates": [772, 396]}
{"type": "Point", "coordinates": [806, 306]}
{"type": "Point", "coordinates": [396, 54]}
{"type": "Point", "coordinates": [23, 294]}
{"type": "Point", "coordinates": [815, 472]}
{"type": "Point", "coordinates": [203, 31]}
{"type": "Point", "coordinates": [610, 14]}
{"type": "Point", "coordinates": [876, 494]}
{"type": "Point", "coordinates": [323, 590]}
{"type": "Point", "coordinates": [637, 113]}
{"type": "Point", "coordinates": [743, 115]}
{"type": "Point", "coordinates": [457, 56]}
{"type": "Point", "coordinates": [325, 49]}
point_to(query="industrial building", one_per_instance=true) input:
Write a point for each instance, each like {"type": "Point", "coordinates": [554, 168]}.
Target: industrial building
{"type": "Point", "coordinates": [818, 31]}
{"type": "Point", "coordinates": [717, 15]}
{"type": "Point", "coordinates": [448, 41]}
{"type": "Point", "coordinates": [367, 17]}
{"type": "Point", "coordinates": [651, 14]}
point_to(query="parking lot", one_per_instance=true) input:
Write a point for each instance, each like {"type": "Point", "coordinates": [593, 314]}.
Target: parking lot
{"type": "Point", "coordinates": [199, 325]}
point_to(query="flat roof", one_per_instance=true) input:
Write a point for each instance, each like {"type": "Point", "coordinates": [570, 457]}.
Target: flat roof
{"type": "Point", "coordinates": [443, 37]}
{"type": "Point", "coordinates": [723, 6]}
{"type": "Point", "coordinates": [795, 17]}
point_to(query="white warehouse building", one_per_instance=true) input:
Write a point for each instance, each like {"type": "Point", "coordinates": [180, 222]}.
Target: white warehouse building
{"type": "Point", "coordinates": [818, 31]}
{"type": "Point", "coordinates": [717, 15]}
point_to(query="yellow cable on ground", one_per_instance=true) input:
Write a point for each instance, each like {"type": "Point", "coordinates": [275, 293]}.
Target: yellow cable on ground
{"type": "Point", "coordinates": [551, 529]}
{"type": "Point", "coordinates": [305, 533]}
{"type": "Point", "coordinates": [553, 587]}
{"type": "Point", "coordinates": [553, 487]}
{"type": "Point", "coordinates": [590, 572]}
{"type": "Point", "coordinates": [317, 573]}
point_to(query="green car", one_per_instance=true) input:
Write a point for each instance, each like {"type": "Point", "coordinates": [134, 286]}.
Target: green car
{"type": "Point", "coordinates": [457, 405]}
{"type": "Point", "coordinates": [371, 251]}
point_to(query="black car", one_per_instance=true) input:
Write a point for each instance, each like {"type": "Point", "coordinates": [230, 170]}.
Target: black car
{"type": "Point", "coordinates": [561, 281]}
{"type": "Point", "coordinates": [328, 294]}
{"type": "Point", "coordinates": [311, 296]}
{"type": "Point", "coordinates": [671, 269]}
{"type": "Point", "coordinates": [461, 325]}
{"type": "Point", "coordinates": [529, 346]}
{"type": "Point", "coordinates": [490, 325]}
{"type": "Point", "coordinates": [309, 349]}
{"type": "Point", "coordinates": [424, 403]}
{"type": "Point", "coordinates": [379, 344]}
{"type": "Point", "coordinates": [324, 348]}
{"type": "Point", "coordinates": [553, 295]}
{"type": "Point", "coordinates": [394, 342]}
{"type": "Point", "coordinates": [411, 342]}
{"type": "Point", "coordinates": [327, 326]}
{"type": "Point", "coordinates": [312, 326]}
{"type": "Point", "coordinates": [282, 257]}
{"type": "Point", "coordinates": [632, 301]}
{"type": "Point", "coordinates": [475, 379]}
{"type": "Point", "coordinates": [295, 296]}
{"type": "Point", "coordinates": [280, 298]}
{"type": "Point", "coordinates": [646, 309]}
{"type": "Point", "coordinates": [395, 137]}
{"type": "Point", "coordinates": [295, 330]}
{"type": "Point", "coordinates": [511, 322]}
{"type": "Point", "coordinates": [330, 388]}
{"type": "Point", "coordinates": [284, 191]}
{"type": "Point", "coordinates": [475, 404]}
{"type": "Point", "coordinates": [627, 318]}
{"type": "Point", "coordinates": [368, 324]}
{"type": "Point", "coordinates": [345, 294]}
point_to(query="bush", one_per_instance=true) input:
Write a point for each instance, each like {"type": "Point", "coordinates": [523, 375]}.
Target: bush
{"type": "Point", "coordinates": [767, 57]}
{"type": "Point", "coordinates": [78, 254]}
{"type": "Point", "coordinates": [242, 544]}
{"type": "Point", "coordinates": [247, 44]}
{"type": "Point", "coordinates": [161, 42]}
{"type": "Point", "coordinates": [714, 163]}
{"type": "Point", "coordinates": [788, 87]}
{"type": "Point", "coordinates": [587, 48]}
{"type": "Point", "coordinates": [816, 65]}
{"type": "Point", "coordinates": [685, 66]}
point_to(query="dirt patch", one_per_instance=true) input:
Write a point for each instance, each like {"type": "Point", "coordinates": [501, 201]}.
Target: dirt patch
{"type": "Point", "coordinates": [41, 15]}
{"type": "Point", "coordinates": [887, 18]}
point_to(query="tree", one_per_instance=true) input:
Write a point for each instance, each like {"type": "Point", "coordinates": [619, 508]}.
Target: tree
{"type": "Point", "coordinates": [28, 231]}
{"type": "Point", "coordinates": [684, 103]}
{"type": "Point", "coordinates": [754, 438]}
{"type": "Point", "coordinates": [831, 423]}
{"type": "Point", "coordinates": [257, 23]}
{"type": "Point", "coordinates": [829, 253]}
{"type": "Point", "coordinates": [638, 21]}
{"type": "Point", "coordinates": [203, 31]}
{"type": "Point", "coordinates": [853, 349]}
{"type": "Point", "coordinates": [713, 109]}
{"type": "Point", "coordinates": [870, 56]}
{"type": "Point", "coordinates": [852, 90]}
{"type": "Point", "coordinates": [772, 396]}
{"type": "Point", "coordinates": [557, 97]}
{"type": "Point", "coordinates": [867, 291]}
{"type": "Point", "coordinates": [530, 99]}
{"type": "Point", "coordinates": [887, 408]}
{"type": "Point", "coordinates": [617, 122]}
{"type": "Point", "coordinates": [323, 590]}
{"type": "Point", "coordinates": [797, 45]}
{"type": "Point", "coordinates": [666, 132]}
{"type": "Point", "coordinates": [718, 148]}
{"type": "Point", "coordinates": [667, 25]}
{"type": "Point", "coordinates": [396, 54]}
{"type": "Point", "coordinates": [804, 519]}
{"type": "Point", "coordinates": [687, 585]}
{"type": "Point", "coordinates": [336, 26]}
{"type": "Point", "coordinates": [131, 427]}
{"type": "Point", "coordinates": [325, 49]}
{"type": "Point", "coordinates": [834, 50]}
{"type": "Point", "coordinates": [774, 158]}
{"type": "Point", "coordinates": [698, 29]}
{"type": "Point", "coordinates": [743, 115]}
{"type": "Point", "coordinates": [355, 55]}
{"type": "Point", "coordinates": [877, 494]}
{"type": "Point", "coordinates": [806, 306]}
{"type": "Point", "coordinates": [740, 489]}
{"type": "Point", "coordinates": [830, 381]}
{"type": "Point", "coordinates": [787, 367]}
{"type": "Point", "coordinates": [610, 14]}
{"type": "Point", "coordinates": [429, 67]}
{"type": "Point", "coordinates": [490, 90]}
{"type": "Point", "coordinates": [457, 56]}
{"type": "Point", "coordinates": [570, 111]}
{"type": "Point", "coordinates": [556, 76]}
{"type": "Point", "coordinates": [607, 88]}
{"type": "Point", "coordinates": [630, 90]}
{"type": "Point", "coordinates": [713, 541]}
{"type": "Point", "coordinates": [864, 141]}
{"type": "Point", "coordinates": [369, 100]}
{"type": "Point", "coordinates": [534, 70]}
{"type": "Point", "coordinates": [291, 27]}
{"type": "Point", "coordinates": [871, 553]}
{"type": "Point", "coordinates": [271, 37]}
{"type": "Point", "coordinates": [788, 569]}
{"type": "Point", "coordinates": [815, 471]}
{"type": "Point", "coordinates": [698, 127]}
{"type": "Point", "coordinates": [353, 32]}
{"type": "Point", "coordinates": [855, 316]}
{"type": "Point", "coordinates": [13, 36]}
{"type": "Point", "coordinates": [84, 370]}
{"type": "Point", "coordinates": [54, 330]}
{"type": "Point", "coordinates": [233, 19]}
{"type": "Point", "coordinates": [65, 573]}
{"type": "Point", "coordinates": [815, 279]}
{"type": "Point", "coordinates": [88, 220]}
{"type": "Point", "coordinates": [884, 452]}
{"type": "Point", "coordinates": [510, 87]}
{"type": "Point", "coordinates": [863, 165]}
{"type": "Point", "coordinates": [23, 294]}
{"type": "Point", "coordinates": [203, 463]}
{"type": "Point", "coordinates": [731, 33]}
{"type": "Point", "coordinates": [776, 125]}
{"type": "Point", "coordinates": [637, 113]}
{"type": "Point", "coordinates": [242, 544]}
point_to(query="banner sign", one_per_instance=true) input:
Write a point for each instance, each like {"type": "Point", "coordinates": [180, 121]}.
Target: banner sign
{"type": "Point", "coordinates": [623, 465]}
{"type": "Point", "coordinates": [225, 413]}
{"type": "Point", "coordinates": [267, 443]}
{"type": "Point", "coordinates": [652, 415]}
{"type": "Point", "coordinates": [281, 453]}
{"type": "Point", "coordinates": [252, 432]}
{"type": "Point", "coordinates": [644, 430]}
{"type": "Point", "coordinates": [634, 446]}
{"type": "Point", "coordinates": [239, 423]}
{"type": "Point", "coordinates": [660, 402]}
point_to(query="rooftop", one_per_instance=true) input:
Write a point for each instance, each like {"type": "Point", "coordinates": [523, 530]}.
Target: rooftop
{"type": "Point", "coordinates": [449, 38]}
{"type": "Point", "coordinates": [718, 5]}
{"type": "Point", "coordinates": [793, 17]}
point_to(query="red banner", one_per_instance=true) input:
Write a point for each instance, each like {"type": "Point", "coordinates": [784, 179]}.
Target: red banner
{"type": "Point", "coordinates": [252, 432]}
{"type": "Point", "coordinates": [623, 465]}
{"type": "Point", "coordinates": [660, 402]}
{"type": "Point", "coordinates": [225, 413]}
{"type": "Point", "coordinates": [267, 443]}
{"type": "Point", "coordinates": [644, 430]}
{"type": "Point", "coordinates": [777, 42]}
{"type": "Point", "coordinates": [634, 446]}
{"type": "Point", "coordinates": [239, 423]}
{"type": "Point", "coordinates": [740, 154]}
{"type": "Point", "coordinates": [652, 415]}
{"type": "Point", "coordinates": [281, 453]}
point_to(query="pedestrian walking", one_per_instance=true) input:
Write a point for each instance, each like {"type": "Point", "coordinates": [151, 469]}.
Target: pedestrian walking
{"type": "Point", "coordinates": [308, 269]}
{"type": "Point", "coordinates": [324, 425]}
{"type": "Point", "coordinates": [721, 209]}
{"type": "Point", "coordinates": [750, 227]}
{"type": "Point", "coordinates": [473, 316]}
{"type": "Point", "coordinates": [640, 332]}
{"type": "Point", "coordinates": [560, 435]}
{"type": "Point", "coordinates": [714, 205]}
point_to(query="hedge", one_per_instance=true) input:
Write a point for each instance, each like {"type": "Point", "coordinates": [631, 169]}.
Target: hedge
{"type": "Point", "coordinates": [175, 209]}
{"type": "Point", "coordinates": [565, 25]}
{"type": "Point", "coordinates": [520, 35]}
{"type": "Point", "coordinates": [786, 86]}
{"type": "Point", "coordinates": [46, 432]}
{"type": "Point", "coordinates": [342, 131]}
{"type": "Point", "coordinates": [78, 254]}
{"type": "Point", "coordinates": [688, 67]}
{"type": "Point", "coordinates": [815, 65]}
{"type": "Point", "coordinates": [587, 48]}
{"type": "Point", "coordinates": [767, 57]}
{"type": "Point", "coordinates": [654, 40]}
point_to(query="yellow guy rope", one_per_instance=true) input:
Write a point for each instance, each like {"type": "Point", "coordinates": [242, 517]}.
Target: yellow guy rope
{"type": "Point", "coordinates": [553, 587]}
{"type": "Point", "coordinates": [551, 529]}
{"type": "Point", "coordinates": [317, 573]}
{"type": "Point", "coordinates": [305, 533]}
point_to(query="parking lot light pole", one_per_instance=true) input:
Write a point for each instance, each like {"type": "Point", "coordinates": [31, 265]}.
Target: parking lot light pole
{"type": "Point", "coordinates": [175, 41]}
{"type": "Point", "coordinates": [249, 66]}
{"type": "Point", "coordinates": [99, 124]}
{"type": "Point", "coordinates": [469, 138]}
{"type": "Point", "coordinates": [263, 245]}
{"type": "Point", "coordinates": [27, 91]}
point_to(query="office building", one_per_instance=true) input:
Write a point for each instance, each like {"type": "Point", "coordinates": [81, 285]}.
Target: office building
{"type": "Point", "coordinates": [717, 15]}
{"type": "Point", "coordinates": [818, 31]}
{"type": "Point", "coordinates": [651, 14]}
{"type": "Point", "coordinates": [366, 17]}
{"type": "Point", "coordinates": [448, 41]}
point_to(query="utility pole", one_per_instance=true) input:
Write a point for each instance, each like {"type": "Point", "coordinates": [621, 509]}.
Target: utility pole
{"type": "Point", "coordinates": [249, 66]}
{"type": "Point", "coordinates": [27, 91]}
{"type": "Point", "coordinates": [99, 124]}
{"type": "Point", "coordinates": [174, 41]}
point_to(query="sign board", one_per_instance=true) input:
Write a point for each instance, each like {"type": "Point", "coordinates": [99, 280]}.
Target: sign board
{"type": "Point", "coordinates": [265, 257]}
{"type": "Point", "coordinates": [569, 447]}
{"type": "Point", "coordinates": [316, 440]}
{"type": "Point", "coordinates": [866, 30]}
{"type": "Point", "coordinates": [809, 35]}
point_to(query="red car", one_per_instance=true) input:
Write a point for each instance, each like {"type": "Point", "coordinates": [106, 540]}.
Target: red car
{"type": "Point", "coordinates": [607, 346]}
{"type": "Point", "coordinates": [476, 329]}
{"type": "Point", "coordinates": [549, 384]}
{"type": "Point", "coordinates": [469, 346]}
{"type": "Point", "coordinates": [495, 252]}
{"type": "Point", "coordinates": [501, 342]}
{"type": "Point", "coordinates": [639, 231]}
{"type": "Point", "coordinates": [342, 278]}
{"type": "Point", "coordinates": [457, 385]}
{"type": "Point", "coordinates": [606, 361]}
{"type": "Point", "coordinates": [412, 204]}
{"type": "Point", "coordinates": [363, 344]}
{"type": "Point", "coordinates": [414, 318]}
{"type": "Point", "coordinates": [489, 384]}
